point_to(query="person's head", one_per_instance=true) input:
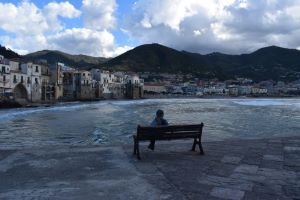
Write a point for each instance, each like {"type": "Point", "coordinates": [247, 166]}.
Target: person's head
{"type": "Point", "coordinates": [159, 114]}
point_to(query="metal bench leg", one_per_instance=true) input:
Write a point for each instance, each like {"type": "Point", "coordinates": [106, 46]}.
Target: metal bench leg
{"type": "Point", "coordinates": [134, 146]}
{"type": "Point", "coordinates": [138, 150]}
{"type": "Point", "coordinates": [194, 145]}
{"type": "Point", "coordinates": [201, 148]}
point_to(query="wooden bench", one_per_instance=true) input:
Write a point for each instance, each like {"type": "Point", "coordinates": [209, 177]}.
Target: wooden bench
{"type": "Point", "coordinates": [168, 133]}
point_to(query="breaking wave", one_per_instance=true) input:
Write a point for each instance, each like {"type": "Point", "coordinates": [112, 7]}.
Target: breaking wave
{"type": "Point", "coordinates": [265, 102]}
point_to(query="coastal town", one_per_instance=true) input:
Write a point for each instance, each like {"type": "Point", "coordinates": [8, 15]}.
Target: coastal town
{"type": "Point", "coordinates": [190, 85]}
{"type": "Point", "coordinates": [40, 82]}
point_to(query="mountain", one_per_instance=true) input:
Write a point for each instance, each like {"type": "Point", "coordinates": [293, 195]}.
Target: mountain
{"type": "Point", "coordinates": [158, 58]}
{"type": "Point", "coordinates": [7, 53]}
{"type": "Point", "coordinates": [272, 62]}
{"type": "Point", "coordinates": [52, 57]}
{"type": "Point", "coordinates": [267, 63]}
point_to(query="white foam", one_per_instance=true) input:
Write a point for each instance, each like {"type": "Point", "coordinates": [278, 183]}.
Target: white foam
{"type": "Point", "coordinates": [9, 114]}
{"type": "Point", "coordinates": [263, 102]}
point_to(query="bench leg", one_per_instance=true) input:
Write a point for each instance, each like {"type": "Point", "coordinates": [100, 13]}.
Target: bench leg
{"type": "Point", "coordinates": [138, 151]}
{"type": "Point", "coordinates": [194, 145]}
{"type": "Point", "coordinates": [197, 141]}
{"type": "Point", "coordinates": [201, 148]}
{"type": "Point", "coordinates": [134, 146]}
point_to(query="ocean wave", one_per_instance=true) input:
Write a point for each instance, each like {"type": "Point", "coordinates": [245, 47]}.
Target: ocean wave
{"type": "Point", "coordinates": [264, 102]}
{"type": "Point", "coordinates": [20, 112]}
{"type": "Point", "coordinates": [115, 104]}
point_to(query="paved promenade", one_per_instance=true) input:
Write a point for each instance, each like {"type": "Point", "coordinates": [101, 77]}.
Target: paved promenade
{"type": "Point", "coordinates": [235, 169]}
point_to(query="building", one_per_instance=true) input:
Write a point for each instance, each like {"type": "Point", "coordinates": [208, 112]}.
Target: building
{"type": "Point", "coordinates": [83, 85]}
{"type": "Point", "coordinates": [154, 88]}
{"type": "Point", "coordinates": [57, 80]}
{"type": "Point", "coordinates": [48, 92]}
{"type": "Point", "coordinates": [35, 82]}
{"type": "Point", "coordinates": [134, 86]}
{"type": "Point", "coordinates": [233, 90]}
{"type": "Point", "coordinates": [244, 90]}
{"type": "Point", "coordinates": [69, 84]}
{"type": "Point", "coordinates": [5, 89]}
{"type": "Point", "coordinates": [106, 79]}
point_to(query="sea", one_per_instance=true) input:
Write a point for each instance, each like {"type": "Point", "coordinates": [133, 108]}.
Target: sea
{"type": "Point", "coordinates": [115, 121]}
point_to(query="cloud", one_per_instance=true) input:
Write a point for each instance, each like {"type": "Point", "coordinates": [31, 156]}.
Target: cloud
{"type": "Point", "coordinates": [229, 26]}
{"type": "Point", "coordinates": [99, 14]}
{"type": "Point", "coordinates": [25, 18]}
{"type": "Point", "coordinates": [86, 41]}
{"type": "Point", "coordinates": [63, 9]}
{"type": "Point", "coordinates": [31, 28]}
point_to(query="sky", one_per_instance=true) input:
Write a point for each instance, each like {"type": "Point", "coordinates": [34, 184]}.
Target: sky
{"type": "Point", "coordinates": [108, 28]}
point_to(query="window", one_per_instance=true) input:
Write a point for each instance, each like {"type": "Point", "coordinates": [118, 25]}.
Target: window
{"type": "Point", "coordinates": [4, 78]}
{"type": "Point", "coordinates": [36, 68]}
{"type": "Point", "coordinates": [22, 80]}
{"type": "Point", "coordinates": [15, 78]}
{"type": "Point", "coordinates": [3, 69]}
{"type": "Point", "coordinates": [28, 80]}
{"type": "Point", "coordinates": [87, 82]}
{"type": "Point", "coordinates": [36, 81]}
{"type": "Point", "coordinates": [83, 74]}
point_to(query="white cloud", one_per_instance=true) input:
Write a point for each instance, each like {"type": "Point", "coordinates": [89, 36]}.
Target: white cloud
{"type": "Point", "coordinates": [172, 17]}
{"type": "Point", "coordinates": [31, 28]}
{"type": "Point", "coordinates": [197, 32]}
{"type": "Point", "coordinates": [63, 9]}
{"type": "Point", "coordinates": [86, 41]}
{"type": "Point", "coordinates": [231, 26]}
{"type": "Point", "coordinates": [25, 18]}
{"type": "Point", "coordinates": [99, 14]}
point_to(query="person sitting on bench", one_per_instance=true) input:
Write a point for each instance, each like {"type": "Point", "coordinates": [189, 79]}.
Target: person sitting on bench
{"type": "Point", "coordinates": [158, 121]}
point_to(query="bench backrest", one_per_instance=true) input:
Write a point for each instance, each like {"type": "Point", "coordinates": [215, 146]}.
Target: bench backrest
{"type": "Point", "coordinates": [169, 132]}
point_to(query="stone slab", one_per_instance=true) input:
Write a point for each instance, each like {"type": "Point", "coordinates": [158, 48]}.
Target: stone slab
{"type": "Point", "coordinates": [247, 169]}
{"type": "Point", "coordinates": [226, 193]}
{"type": "Point", "coordinates": [273, 157]}
{"type": "Point", "coordinates": [227, 182]}
{"type": "Point", "coordinates": [231, 159]}
{"type": "Point", "coordinates": [291, 148]}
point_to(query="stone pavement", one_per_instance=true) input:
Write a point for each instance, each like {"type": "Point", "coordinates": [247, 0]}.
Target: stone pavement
{"type": "Point", "coordinates": [232, 169]}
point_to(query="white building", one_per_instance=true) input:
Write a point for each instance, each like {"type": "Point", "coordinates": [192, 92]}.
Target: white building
{"type": "Point", "coordinates": [245, 90]}
{"type": "Point", "coordinates": [4, 77]}
{"type": "Point", "coordinates": [155, 88]}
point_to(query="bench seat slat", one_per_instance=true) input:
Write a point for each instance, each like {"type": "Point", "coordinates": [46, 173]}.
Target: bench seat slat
{"type": "Point", "coordinates": [150, 136]}
{"type": "Point", "coordinates": [168, 137]}
{"type": "Point", "coordinates": [169, 128]}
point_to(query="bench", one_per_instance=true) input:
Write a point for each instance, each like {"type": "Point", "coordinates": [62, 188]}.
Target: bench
{"type": "Point", "coordinates": [168, 133]}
